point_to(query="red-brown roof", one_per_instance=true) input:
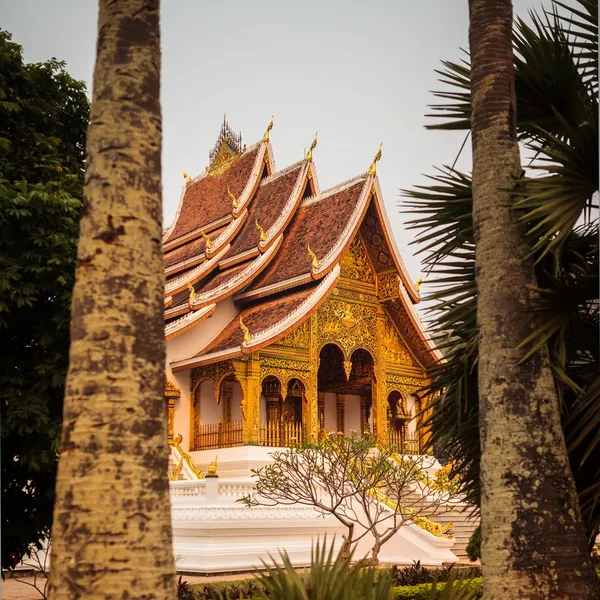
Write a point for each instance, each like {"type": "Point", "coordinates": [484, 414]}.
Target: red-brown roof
{"type": "Point", "coordinates": [206, 199]}
{"type": "Point", "coordinates": [320, 222]}
{"type": "Point", "coordinates": [268, 203]}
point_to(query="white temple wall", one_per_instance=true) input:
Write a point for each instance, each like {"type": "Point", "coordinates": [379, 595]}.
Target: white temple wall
{"type": "Point", "coordinates": [181, 420]}
{"type": "Point", "coordinates": [352, 414]}
{"type": "Point", "coordinates": [210, 411]}
{"type": "Point", "coordinates": [330, 412]}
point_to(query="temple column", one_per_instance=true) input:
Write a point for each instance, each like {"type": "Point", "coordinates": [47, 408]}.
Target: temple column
{"type": "Point", "coordinates": [364, 415]}
{"type": "Point", "coordinates": [171, 394]}
{"type": "Point", "coordinates": [340, 404]}
{"type": "Point", "coordinates": [313, 418]}
{"type": "Point", "coordinates": [378, 386]}
{"type": "Point", "coordinates": [226, 399]}
{"type": "Point", "coordinates": [321, 407]}
{"type": "Point", "coordinates": [248, 374]}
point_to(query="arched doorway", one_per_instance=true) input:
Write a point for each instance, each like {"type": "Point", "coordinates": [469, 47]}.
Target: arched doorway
{"type": "Point", "coordinates": [331, 379]}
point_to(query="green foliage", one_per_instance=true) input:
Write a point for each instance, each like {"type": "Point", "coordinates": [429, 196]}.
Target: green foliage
{"type": "Point", "coordinates": [416, 574]}
{"type": "Point", "coordinates": [457, 589]}
{"type": "Point", "coordinates": [43, 119]}
{"type": "Point", "coordinates": [556, 80]}
{"type": "Point", "coordinates": [474, 545]}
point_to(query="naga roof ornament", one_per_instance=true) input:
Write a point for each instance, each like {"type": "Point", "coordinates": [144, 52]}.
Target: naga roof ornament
{"type": "Point", "coordinates": [246, 331]}
{"type": "Point", "coordinates": [269, 127]}
{"type": "Point", "coordinates": [207, 240]}
{"type": "Point", "coordinates": [315, 260]}
{"type": "Point", "coordinates": [263, 235]}
{"type": "Point", "coordinates": [192, 291]}
{"type": "Point", "coordinates": [373, 167]}
{"type": "Point", "coordinates": [187, 177]}
{"type": "Point", "coordinates": [234, 201]}
{"type": "Point", "coordinates": [312, 147]}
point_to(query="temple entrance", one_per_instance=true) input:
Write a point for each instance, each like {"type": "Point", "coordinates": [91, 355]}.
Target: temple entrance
{"type": "Point", "coordinates": [397, 420]}
{"type": "Point", "coordinates": [344, 391]}
{"type": "Point", "coordinates": [220, 422]}
{"type": "Point", "coordinates": [281, 416]}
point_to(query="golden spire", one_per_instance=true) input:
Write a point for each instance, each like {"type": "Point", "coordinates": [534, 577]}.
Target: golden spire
{"type": "Point", "coordinates": [373, 167]}
{"type": "Point", "coordinates": [207, 240]}
{"type": "Point", "coordinates": [246, 331]}
{"type": "Point", "coordinates": [269, 127]}
{"type": "Point", "coordinates": [187, 177]}
{"type": "Point", "coordinates": [418, 284]}
{"type": "Point", "coordinates": [315, 260]}
{"type": "Point", "coordinates": [312, 147]}
{"type": "Point", "coordinates": [233, 199]}
{"type": "Point", "coordinates": [263, 235]}
{"type": "Point", "coordinates": [192, 291]}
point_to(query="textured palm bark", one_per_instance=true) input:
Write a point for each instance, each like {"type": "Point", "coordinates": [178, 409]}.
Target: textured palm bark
{"type": "Point", "coordinates": [533, 543]}
{"type": "Point", "coordinates": [112, 521]}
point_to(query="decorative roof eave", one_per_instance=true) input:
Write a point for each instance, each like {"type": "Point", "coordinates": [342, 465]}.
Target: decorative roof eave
{"type": "Point", "coordinates": [254, 179]}
{"type": "Point", "coordinates": [196, 233]}
{"type": "Point", "coordinates": [188, 321]}
{"type": "Point", "coordinates": [286, 214]}
{"type": "Point", "coordinates": [239, 280]}
{"type": "Point", "coordinates": [274, 288]}
{"type": "Point", "coordinates": [177, 311]}
{"type": "Point", "coordinates": [227, 234]}
{"type": "Point", "coordinates": [418, 324]}
{"type": "Point", "coordinates": [177, 285]}
{"type": "Point", "coordinates": [168, 302]}
{"type": "Point", "coordinates": [408, 283]}
{"type": "Point", "coordinates": [238, 258]}
{"type": "Point", "coordinates": [186, 264]}
{"type": "Point", "coordinates": [272, 333]}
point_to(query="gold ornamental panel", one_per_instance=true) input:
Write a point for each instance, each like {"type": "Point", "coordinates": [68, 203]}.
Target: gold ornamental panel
{"type": "Point", "coordinates": [395, 351]}
{"type": "Point", "coordinates": [355, 263]}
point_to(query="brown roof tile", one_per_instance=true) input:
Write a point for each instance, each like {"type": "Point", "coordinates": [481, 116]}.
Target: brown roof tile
{"type": "Point", "coordinates": [319, 224]}
{"type": "Point", "coordinates": [220, 278]}
{"type": "Point", "coordinates": [266, 206]}
{"type": "Point", "coordinates": [257, 318]}
{"type": "Point", "coordinates": [206, 200]}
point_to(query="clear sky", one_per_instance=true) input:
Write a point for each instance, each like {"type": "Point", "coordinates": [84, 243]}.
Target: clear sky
{"type": "Point", "coordinates": [358, 72]}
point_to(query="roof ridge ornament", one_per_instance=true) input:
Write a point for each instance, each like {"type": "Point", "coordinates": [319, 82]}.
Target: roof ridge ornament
{"type": "Point", "coordinates": [207, 240]}
{"type": "Point", "coordinates": [234, 201]}
{"type": "Point", "coordinates": [418, 284]}
{"type": "Point", "coordinates": [373, 167]}
{"type": "Point", "coordinates": [192, 291]}
{"type": "Point", "coordinates": [187, 177]}
{"type": "Point", "coordinates": [269, 127]}
{"type": "Point", "coordinates": [263, 235]}
{"type": "Point", "coordinates": [312, 147]}
{"type": "Point", "coordinates": [315, 260]}
{"type": "Point", "coordinates": [246, 331]}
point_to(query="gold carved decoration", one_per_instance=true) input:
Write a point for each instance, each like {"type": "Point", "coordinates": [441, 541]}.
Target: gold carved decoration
{"type": "Point", "coordinates": [355, 263]}
{"type": "Point", "coordinates": [223, 160]}
{"type": "Point", "coordinates": [404, 384]}
{"type": "Point", "coordinates": [212, 468]}
{"type": "Point", "coordinates": [312, 147]}
{"type": "Point", "coordinates": [185, 457]}
{"type": "Point", "coordinates": [285, 370]}
{"type": "Point", "coordinates": [187, 177]}
{"type": "Point", "coordinates": [418, 284]}
{"type": "Point", "coordinates": [207, 240]}
{"type": "Point", "coordinates": [298, 338]}
{"type": "Point", "coordinates": [347, 368]}
{"type": "Point", "coordinates": [388, 286]}
{"type": "Point", "coordinates": [171, 391]}
{"type": "Point", "coordinates": [315, 260]}
{"type": "Point", "coordinates": [269, 127]}
{"type": "Point", "coordinates": [174, 475]}
{"type": "Point", "coordinates": [234, 201]}
{"type": "Point", "coordinates": [350, 326]}
{"type": "Point", "coordinates": [246, 331]}
{"type": "Point", "coordinates": [394, 350]}
{"type": "Point", "coordinates": [373, 167]}
{"type": "Point", "coordinates": [263, 235]}
{"type": "Point", "coordinates": [192, 291]}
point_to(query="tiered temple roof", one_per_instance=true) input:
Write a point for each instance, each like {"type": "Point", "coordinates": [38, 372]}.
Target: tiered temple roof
{"type": "Point", "coordinates": [273, 243]}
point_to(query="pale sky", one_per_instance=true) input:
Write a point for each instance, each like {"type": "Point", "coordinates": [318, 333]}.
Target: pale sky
{"type": "Point", "coordinates": [358, 72]}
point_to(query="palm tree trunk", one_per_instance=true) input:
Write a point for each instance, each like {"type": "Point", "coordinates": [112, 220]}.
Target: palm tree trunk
{"type": "Point", "coordinates": [533, 543]}
{"type": "Point", "coordinates": [112, 528]}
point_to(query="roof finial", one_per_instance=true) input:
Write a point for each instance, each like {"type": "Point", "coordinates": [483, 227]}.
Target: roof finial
{"type": "Point", "coordinates": [418, 284]}
{"type": "Point", "coordinates": [315, 260]}
{"type": "Point", "coordinates": [246, 331]}
{"type": "Point", "coordinates": [312, 147]}
{"type": "Point", "coordinates": [263, 235]}
{"type": "Point", "coordinates": [192, 291]}
{"type": "Point", "coordinates": [207, 240]}
{"type": "Point", "coordinates": [187, 177]}
{"type": "Point", "coordinates": [373, 167]}
{"type": "Point", "coordinates": [269, 127]}
{"type": "Point", "coordinates": [233, 199]}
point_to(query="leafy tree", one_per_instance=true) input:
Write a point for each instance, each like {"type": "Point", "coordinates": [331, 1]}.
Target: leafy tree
{"type": "Point", "coordinates": [369, 490]}
{"type": "Point", "coordinates": [43, 119]}
{"type": "Point", "coordinates": [556, 122]}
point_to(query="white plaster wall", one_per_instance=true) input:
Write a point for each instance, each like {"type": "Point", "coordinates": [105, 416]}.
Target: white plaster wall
{"type": "Point", "coordinates": [236, 402]}
{"type": "Point", "coordinates": [352, 414]}
{"type": "Point", "coordinates": [181, 422]}
{"type": "Point", "coordinates": [330, 412]}
{"type": "Point", "coordinates": [210, 411]}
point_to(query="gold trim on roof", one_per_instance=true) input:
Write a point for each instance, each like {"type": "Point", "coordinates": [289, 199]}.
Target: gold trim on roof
{"type": "Point", "coordinates": [234, 201]}
{"type": "Point", "coordinates": [312, 147]}
{"type": "Point", "coordinates": [315, 260]}
{"type": "Point", "coordinates": [246, 331]}
{"type": "Point", "coordinates": [261, 231]}
{"type": "Point", "coordinates": [269, 127]}
{"type": "Point", "coordinates": [207, 240]}
{"type": "Point", "coordinates": [373, 167]}
{"type": "Point", "coordinates": [187, 177]}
